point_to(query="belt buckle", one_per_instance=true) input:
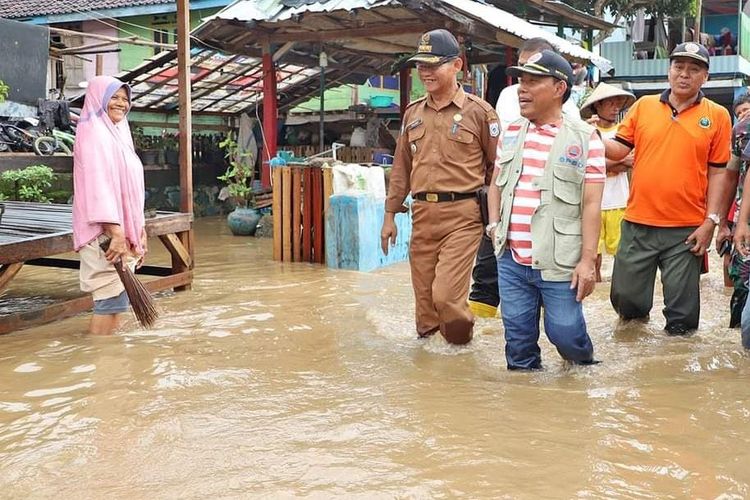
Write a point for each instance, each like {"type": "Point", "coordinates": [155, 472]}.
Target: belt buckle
{"type": "Point", "coordinates": [431, 197]}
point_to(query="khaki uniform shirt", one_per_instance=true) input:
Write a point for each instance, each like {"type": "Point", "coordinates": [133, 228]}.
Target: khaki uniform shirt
{"type": "Point", "coordinates": [446, 150]}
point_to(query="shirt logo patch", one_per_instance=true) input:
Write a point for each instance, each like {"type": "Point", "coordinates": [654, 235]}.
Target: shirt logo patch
{"type": "Point", "coordinates": [534, 58]}
{"type": "Point", "coordinates": [494, 129]}
{"type": "Point", "coordinates": [704, 122]}
{"type": "Point", "coordinates": [573, 151]}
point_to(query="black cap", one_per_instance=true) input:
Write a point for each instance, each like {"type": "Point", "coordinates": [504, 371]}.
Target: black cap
{"type": "Point", "coordinates": [692, 50]}
{"type": "Point", "coordinates": [546, 63]}
{"type": "Point", "coordinates": [435, 47]}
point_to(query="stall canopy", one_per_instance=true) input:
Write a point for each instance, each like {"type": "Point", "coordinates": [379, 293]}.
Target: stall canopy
{"type": "Point", "coordinates": [360, 37]}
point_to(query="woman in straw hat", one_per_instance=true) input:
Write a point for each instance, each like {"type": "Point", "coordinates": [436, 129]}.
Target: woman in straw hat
{"type": "Point", "coordinates": [108, 199]}
{"type": "Point", "coordinates": [603, 108]}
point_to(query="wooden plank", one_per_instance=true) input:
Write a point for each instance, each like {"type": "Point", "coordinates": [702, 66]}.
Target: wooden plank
{"type": "Point", "coordinates": [34, 248]}
{"type": "Point", "coordinates": [165, 223]}
{"type": "Point", "coordinates": [296, 213]}
{"type": "Point", "coordinates": [327, 192]}
{"type": "Point", "coordinates": [18, 321]}
{"type": "Point", "coordinates": [176, 249]}
{"type": "Point", "coordinates": [306, 215]}
{"type": "Point", "coordinates": [8, 272]}
{"type": "Point", "coordinates": [317, 214]}
{"type": "Point", "coordinates": [327, 188]}
{"type": "Point", "coordinates": [276, 211]}
{"type": "Point", "coordinates": [286, 214]}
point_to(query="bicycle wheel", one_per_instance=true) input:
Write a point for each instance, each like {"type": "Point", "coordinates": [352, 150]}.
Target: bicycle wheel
{"type": "Point", "coordinates": [45, 146]}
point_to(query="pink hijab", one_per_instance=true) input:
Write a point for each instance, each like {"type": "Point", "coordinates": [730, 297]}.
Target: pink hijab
{"type": "Point", "coordinates": [107, 174]}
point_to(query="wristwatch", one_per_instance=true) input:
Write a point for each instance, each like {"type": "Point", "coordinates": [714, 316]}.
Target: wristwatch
{"type": "Point", "coordinates": [489, 227]}
{"type": "Point", "coordinates": [715, 218]}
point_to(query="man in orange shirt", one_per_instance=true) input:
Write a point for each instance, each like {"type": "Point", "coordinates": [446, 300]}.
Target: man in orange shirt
{"type": "Point", "coordinates": [681, 142]}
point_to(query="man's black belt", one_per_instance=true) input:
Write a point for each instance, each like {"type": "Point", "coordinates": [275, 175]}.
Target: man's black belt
{"type": "Point", "coordinates": [438, 197]}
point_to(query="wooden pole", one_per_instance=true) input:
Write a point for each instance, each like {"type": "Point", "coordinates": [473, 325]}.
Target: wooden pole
{"type": "Point", "coordinates": [99, 64]}
{"type": "Point", "coordinates": [404, 86]}
{"type": "Point", "coordinates": [697, 25]}
{"type": "Point", "coordinates": [508, 63]}
{"type": "Point", "coordinates": [186, 126]}
{"type": "Point", "coordinates": [270, 115]}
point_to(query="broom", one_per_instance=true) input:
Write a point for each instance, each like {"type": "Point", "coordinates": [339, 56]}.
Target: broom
{"type": "Point", "coordinates": [140, 298]}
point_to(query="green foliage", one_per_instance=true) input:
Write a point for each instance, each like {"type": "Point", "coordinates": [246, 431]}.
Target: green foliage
{"type": "Point", "coordinates": [27, 184]}
{"type": "Point", "coordinates": [628, 8]}
{"type": "Point", "coordinates": [4, 91]}
{"type": "Point", "coordinates": [240, 172]}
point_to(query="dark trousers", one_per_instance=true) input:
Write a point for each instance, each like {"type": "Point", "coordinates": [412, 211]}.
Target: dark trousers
{"type": "Point", "coordinates": [642, 250]}
{"type": "Point", "coordinates": [484, 289]}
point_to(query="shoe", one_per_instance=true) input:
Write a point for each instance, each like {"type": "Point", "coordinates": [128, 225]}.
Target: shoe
{"type": "Point", "coordinates": [678, 329]}
{"type": "Point", "coordinates": [482, 310]}
{"type": "Point", "coordinates": [587, 362]}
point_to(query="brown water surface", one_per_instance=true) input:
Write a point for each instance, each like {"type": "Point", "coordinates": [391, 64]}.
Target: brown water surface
{"type": "Point", "coordinates": [291, 380]}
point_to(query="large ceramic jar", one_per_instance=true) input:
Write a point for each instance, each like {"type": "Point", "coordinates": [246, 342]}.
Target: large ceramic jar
{"type": "Point", "coordinates": [243, 221]}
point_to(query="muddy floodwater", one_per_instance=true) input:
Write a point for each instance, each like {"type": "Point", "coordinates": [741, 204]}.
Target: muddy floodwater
{"type": "Point", "coordinates": [292, 380]}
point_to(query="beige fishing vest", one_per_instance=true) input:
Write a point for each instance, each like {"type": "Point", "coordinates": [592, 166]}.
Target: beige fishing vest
{"type": "Point", "coordinates": [556, 223]}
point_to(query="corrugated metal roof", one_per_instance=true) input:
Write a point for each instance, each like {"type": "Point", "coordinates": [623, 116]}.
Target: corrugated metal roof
{"type": "Point", "coordinates": [506, 21]}
{"type": "Point", "coordinates": [271, 12]}
{"type": "Point", "coordinates": [14, 9]}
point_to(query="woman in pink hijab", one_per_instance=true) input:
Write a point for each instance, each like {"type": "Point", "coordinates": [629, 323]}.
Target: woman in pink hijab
{"type": "Point", "coordinates": [108, 199]}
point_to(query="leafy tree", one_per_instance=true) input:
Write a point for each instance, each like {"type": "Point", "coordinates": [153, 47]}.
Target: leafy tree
{"type": "Point", "coordinates": [626, 9]}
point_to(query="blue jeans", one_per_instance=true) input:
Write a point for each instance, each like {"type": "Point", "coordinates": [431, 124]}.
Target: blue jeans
{"type": "Point", "coordinates": [524, 291]}
{"type": "Point", "coordinates": [745, 325]}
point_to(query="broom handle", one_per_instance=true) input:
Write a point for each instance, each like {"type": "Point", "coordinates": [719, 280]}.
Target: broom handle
{"type": "Point", "coordinates": [104, 245]}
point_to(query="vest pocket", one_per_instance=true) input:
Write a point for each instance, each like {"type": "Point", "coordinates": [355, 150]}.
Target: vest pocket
{"type": "Point", "coordinates": [503, 163]}
{"type": "Point", "coordinates": [567, 185]}
{"type": "Point", "coordinates": [567, 241]}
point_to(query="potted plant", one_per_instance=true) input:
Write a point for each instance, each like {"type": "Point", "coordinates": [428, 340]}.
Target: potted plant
{"type": "Point", "coordinates": [239, 176]}
{"type": "Point", "coordinates": [170, 144]}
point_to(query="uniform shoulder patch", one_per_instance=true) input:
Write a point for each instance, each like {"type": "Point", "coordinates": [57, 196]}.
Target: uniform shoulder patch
{"type": "Point", "coordinates": [416, 101]}
{"type": "Point", "coordinates": [485, 105]}
{"type": "Point", "coordinates": [494, 129]}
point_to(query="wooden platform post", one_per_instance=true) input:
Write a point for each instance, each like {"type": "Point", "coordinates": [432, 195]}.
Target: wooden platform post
{"type": "Point", "coordinates": [185, 135]}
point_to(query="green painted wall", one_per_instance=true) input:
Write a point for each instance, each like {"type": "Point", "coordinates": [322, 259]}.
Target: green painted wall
{"type": "Point", "coordinates": [340, 98]}
{"type": "Point", "coordinates": [133, 55]}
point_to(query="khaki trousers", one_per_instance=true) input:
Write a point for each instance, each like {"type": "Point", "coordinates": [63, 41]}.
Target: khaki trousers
{"type": "Point", "coordinates": [444, 242]}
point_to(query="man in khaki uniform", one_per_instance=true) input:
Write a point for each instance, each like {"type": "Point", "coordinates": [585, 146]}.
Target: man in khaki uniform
{"type": "Point", "coordinates": [446, 147]}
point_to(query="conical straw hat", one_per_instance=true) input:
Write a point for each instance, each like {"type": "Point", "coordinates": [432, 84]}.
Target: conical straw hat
{"type": "Point", "coordinates": [601, 92]}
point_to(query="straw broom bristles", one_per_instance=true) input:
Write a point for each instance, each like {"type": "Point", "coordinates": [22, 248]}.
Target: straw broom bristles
{"type": "Point", "coordinates": [140, 298]}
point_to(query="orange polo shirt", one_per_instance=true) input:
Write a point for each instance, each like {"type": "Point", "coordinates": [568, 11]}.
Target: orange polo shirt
{"type": "Point", "coordinates": [672, 154]}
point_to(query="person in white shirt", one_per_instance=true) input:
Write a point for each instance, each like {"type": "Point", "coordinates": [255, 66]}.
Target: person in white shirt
{"type": "Point", "coordinates": [604, 107]}
{"type": "Point", "coordinates": [507, 103]}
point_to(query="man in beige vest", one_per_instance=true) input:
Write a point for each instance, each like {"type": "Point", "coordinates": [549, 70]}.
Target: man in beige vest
{"type": "Point", "coordinates": [545, 216]}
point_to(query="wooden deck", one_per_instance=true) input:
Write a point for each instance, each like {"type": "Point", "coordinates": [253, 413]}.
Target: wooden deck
{"type": "Point", "coordinates": [31, 233]}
